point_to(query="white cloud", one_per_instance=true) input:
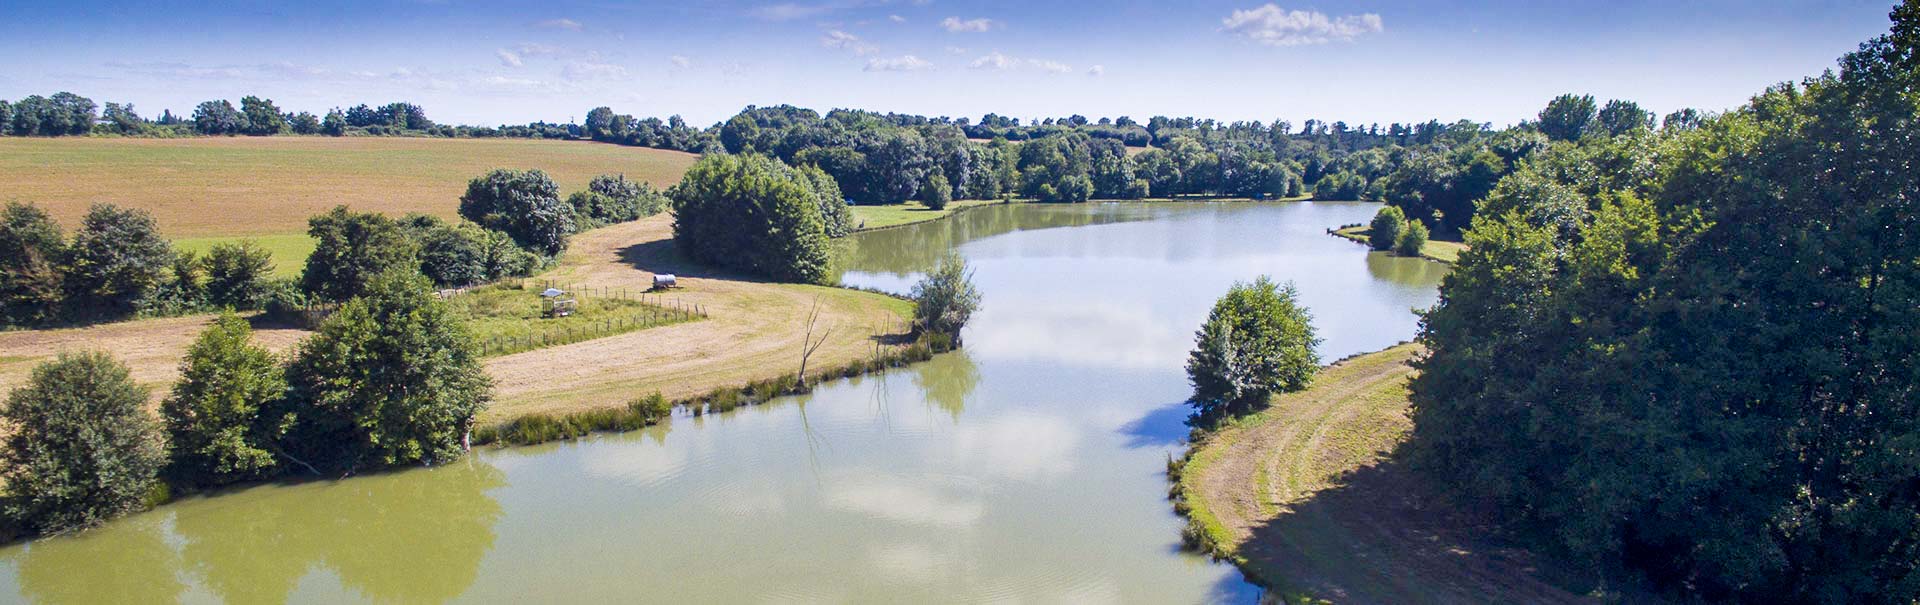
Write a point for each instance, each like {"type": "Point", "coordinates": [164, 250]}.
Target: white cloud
{"type": "Point", "coordinates": [999, 62]}
{"type": "Point", "coordinates": [845, 41]}
{"type": "Point", "coordinates": [583, 70]}
{"type": "Point", "coordinates": [681, 61]}
{"type": "Point", "coordinates": [956, 24]}
{"type": "Point", "coordinates": [896, 18]}
{"type": "Point", "coordinates": [1274, 26]}
{"type": "Point", "coordinates": [900, 63]}
{"type": "Point", "coordinates": [532, 49]}
{"type": "Point", "coordinates": [958, 50]}
{"type": "Point", "coordinates": [566, 24]}
{"type": "Point", "coordinates": [1097, 70]}
{"type": "Point", "coordinates": [787, 12]}
{"type": "Point", "coordinates": [506, 82]}
{"type": "Point", "coordinates": [509, 58]}
{"type": "Point", "coordinates": [1050, 66]}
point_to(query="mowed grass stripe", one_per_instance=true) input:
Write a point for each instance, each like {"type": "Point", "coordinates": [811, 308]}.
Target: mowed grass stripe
{"type": "Point", "coordinates": [250, 186]}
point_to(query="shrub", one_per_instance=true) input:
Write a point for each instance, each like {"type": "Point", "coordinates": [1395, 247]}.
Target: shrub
{"type": "Point", "coordinates": [81, 449]}
{"type": "Point", "coordinates": [353, 248]}
{"type": "Point", "coordinates": [237, 275]}
{"type": "Point", "coordinates": [945, 299]}
{"type": "Point", "coordinates": [31, 247]}
{"type": "Point", "coordinates": [391, 378]}
{"type": "Point", "coordinates": [450, 255]}
{"type": "Point", "coordinates": [1386, 228]}
{"type": "Point", "coordinates": [1257, 341]}
{"type": "Point", "coordinates": [632, 200]}
{"type": "Point", "coordinates": [835, 215]}
{"type": "Point", "coordinates": [752, 213]}
{"type": "Point", "coordinates": [524, 204]}
{"type": "Point", "coordinates": [592, 209]}
{"type": "Point", "coordinates": [1411, 240]}
{"type": "Point", "coordinates": [212, 417]}
{"type": "Point", "coordinates": [117, 260]}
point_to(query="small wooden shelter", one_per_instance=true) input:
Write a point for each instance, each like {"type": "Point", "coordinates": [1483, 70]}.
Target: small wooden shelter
{"type": "Point", "coordinates": [552, 303]}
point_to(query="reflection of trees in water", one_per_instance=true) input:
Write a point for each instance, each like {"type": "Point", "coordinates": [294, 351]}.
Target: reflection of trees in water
{"type": "Point", "coordinates": [914, 248]}
{"type": "Point", "coordinates": [411, 536]}
{"type": "Point", "coordinates": [133, 565]}
{"type": "Point", "coordinates": [947, 380]}
{"type": "Point", "coordinates": [1406, 271]}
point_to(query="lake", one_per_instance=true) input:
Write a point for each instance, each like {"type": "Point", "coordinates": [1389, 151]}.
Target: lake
{"type": "Point", "coordinates": [1028, 466]}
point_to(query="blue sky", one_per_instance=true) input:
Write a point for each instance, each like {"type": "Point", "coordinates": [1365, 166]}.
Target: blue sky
{"type": "Point", "coordinates": [500, 62]}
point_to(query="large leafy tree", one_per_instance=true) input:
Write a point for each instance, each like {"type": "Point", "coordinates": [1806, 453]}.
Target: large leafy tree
{"type": "Point", "coordinates": [31, 250]}
{"type": "Point", "coordinates": [752, 213]}
{"type": "Point", "coordinates": [392, 378]}
{"type": "Point", "coordinates": [1257, 341]}
{"type": "Point", "coordinates": [262, 117]}
{"type": "Point", "coordinates": [1567, 117]}
{"type": "Point", "coordinates": [352, 248]}
{"type": "Point", "coordinates": [1386, 228]}
{"type": "Point", "coordinates": [524, 204]}
{"type": "Point", "coordinates": [213, 417]}
{"type": "Point", "coordinates": [219, 117]}
{"type": "Point", "coordinates": [117, 260]}
{"type": "Point", "coordinates": [1706, 379]}
{"type": "Point", "coordinates": [80, 448]}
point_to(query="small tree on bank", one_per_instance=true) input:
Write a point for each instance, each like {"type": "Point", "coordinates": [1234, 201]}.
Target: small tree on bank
{"type": "Point", "coordinates": [1257, 341]}
{"type": "Point", "coordinates": [79, 449]}
{"type": "Point", "coordinates": [1412, 240]}
{"type": "Point", "coordinates": [946, 298]}
{"type": "Point", "coordinates": [213, 417]}
{"type": "Point", "coordinates": [392, 378]}
{"type": "Point", "coordinates": [1386, 228]}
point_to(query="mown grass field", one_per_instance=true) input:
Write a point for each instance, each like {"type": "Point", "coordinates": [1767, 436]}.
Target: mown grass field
{"type": "Point", "coordinates": [267, 186]}
{"type": "Point", "coordinates": [894, 215]}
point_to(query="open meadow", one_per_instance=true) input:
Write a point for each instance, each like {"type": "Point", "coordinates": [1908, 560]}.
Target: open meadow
{"type": "Point", "coordinates": [216, 187]}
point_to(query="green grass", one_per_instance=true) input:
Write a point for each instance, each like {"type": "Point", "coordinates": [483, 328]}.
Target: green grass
{"type": "Point", "coordinates": [1436, 250]}
{"type": "Point", "coordinates": [508, 318]}
{"type": "Point", "coordinates": [894, 215]}
{"type": "Point", "coordinates": [290, 251]}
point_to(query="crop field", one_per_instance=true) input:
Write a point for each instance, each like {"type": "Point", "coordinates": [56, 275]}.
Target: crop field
{"type": "Point", "coordinates": [268, 186]}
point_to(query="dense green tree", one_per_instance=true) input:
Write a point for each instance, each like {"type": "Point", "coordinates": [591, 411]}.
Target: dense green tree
{"type": "Point", "coordinates": [237, 274]}
{"type": "Point", "coordinates": [219, 117]}
{"type": "Point", "coordinates": [1386, 228]}
{"type": "Point", "coordinates": [632, 199]}
{"type": "Point", "coordinates": [351, 248]}
{"type": "Point", "coordinates": [946, 298]}
{"type": "Point", "coordinates": [1619, 117]}
{"type": "Point", "coordinates": [304, 123]}
{"type": "Point", "coordinates": [80, 448]}
{"type": "Point", "coordinates": [1567, 117]}
{"type": "Point", "coordinates": [1412, 240]}
{"type": "Point", "coordinates": [31, 254]}
{"type": "Point", "coordinates": [117, 261]}
{"type": "Point", "coordinates": [121, 118]}
{"type": "Point", "coordinates": [1705, 381]}
{"type": "Point", "coordinates": [392, 378]}
{"type": "Point", "coordinates": [1257, 341]}
{"type": "Point", "coordinates": [213, 416]}
{"type": "Point", "coordinates": [752, 213]}
{"type": "Point", "coordinates": [335, 124]}
{"type": "Point", "coordinates": [262, 117]}
{"type": "Point", "coordinates": [836, 218]}
{"type": "Point", "coordinates": [937, 194]}
{"type": "Point", "coordinates": [524, 204]}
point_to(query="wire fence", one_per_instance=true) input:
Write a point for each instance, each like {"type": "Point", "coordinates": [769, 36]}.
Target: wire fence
{"type": "Point", "coordinates": [656, 310]}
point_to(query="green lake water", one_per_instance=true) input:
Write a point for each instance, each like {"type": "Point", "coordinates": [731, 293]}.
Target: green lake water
{"type": "Point", "coordinates": [1027, 467]}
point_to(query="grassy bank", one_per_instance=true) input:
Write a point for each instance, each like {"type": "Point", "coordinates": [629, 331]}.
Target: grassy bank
{"type": "Point", "coordinates": [251, 186]}
{"type": "Point", "coordinates": [867, 218]}
{"type": "Point", "coordinates": [1310, 498]}
{"type": "Point", "coordinates": [1435, 250]}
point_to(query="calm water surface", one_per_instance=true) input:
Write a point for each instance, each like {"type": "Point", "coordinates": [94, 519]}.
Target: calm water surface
{"type": "Point", "coordinates": [1028, 467]}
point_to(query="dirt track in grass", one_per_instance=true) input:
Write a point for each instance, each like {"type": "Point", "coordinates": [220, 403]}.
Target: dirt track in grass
{"type": "Point", "coordinates": [1310, 497]}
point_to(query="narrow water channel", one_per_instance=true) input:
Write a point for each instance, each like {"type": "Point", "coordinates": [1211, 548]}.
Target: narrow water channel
{"type": "Point", "coordinates": [1026, 467]}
